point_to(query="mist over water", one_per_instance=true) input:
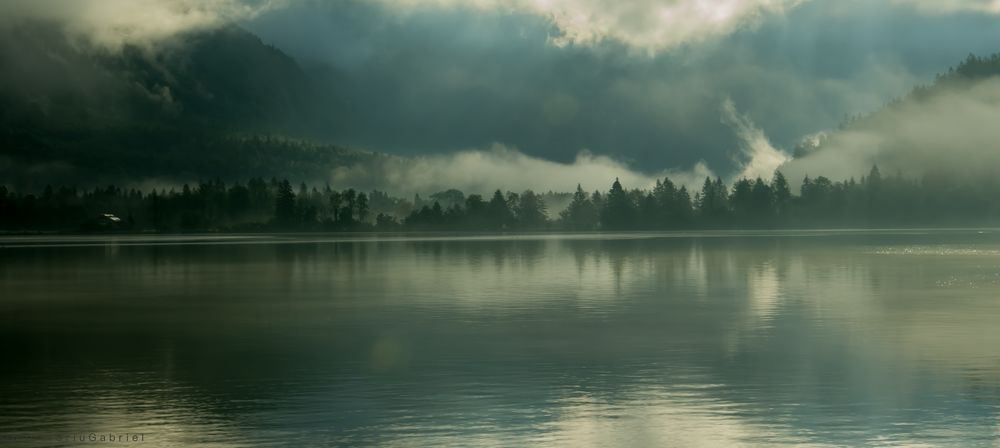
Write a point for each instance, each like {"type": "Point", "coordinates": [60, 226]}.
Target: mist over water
{"type": "Point", "coordinates": [701, 339]}
{"type": "Point", "coordinates": [401, 128]}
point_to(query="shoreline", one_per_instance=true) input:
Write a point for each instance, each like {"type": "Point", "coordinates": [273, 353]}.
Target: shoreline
{"type": "Point", "coordinates": [8, 241]}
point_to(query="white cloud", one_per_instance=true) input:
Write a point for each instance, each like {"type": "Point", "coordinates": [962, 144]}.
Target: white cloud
{"type": "Point", "coordinates": [647, 25]}
{"type": "Point", "coordinates": [112, 23]}
{"type": "Point", "coordinates": [762, 158]}
{"type": "Point", "coordinates": [952, 6]}
{"type": "Point", "coordinates": [951, 132]}
{"type": "Point", "coordinates": [482, 171]}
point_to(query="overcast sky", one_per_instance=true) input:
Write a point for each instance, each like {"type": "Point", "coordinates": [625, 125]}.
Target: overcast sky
{"type": "Point", "coordinates": [700, 86]}
{"type": "Point", "coordinates": [643, 81]}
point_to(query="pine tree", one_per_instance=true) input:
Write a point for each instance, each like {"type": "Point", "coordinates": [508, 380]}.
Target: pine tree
{"type": "Point", "coordinates": [498, 212]}
{"type": "Point", "coordinates": [619, 211]}
{"type": "Point", "coordinates": [362, 206]}
{"type": "Point", "coordinates": [581, 213]}
{"type": "Point", "coordinates": [782, 192]}
{"type": "Point", "coordinates": [284, 205]}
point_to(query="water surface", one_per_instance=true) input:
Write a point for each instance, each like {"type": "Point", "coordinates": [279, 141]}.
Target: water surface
{"type": "Point", "coordinates": [700, 339]}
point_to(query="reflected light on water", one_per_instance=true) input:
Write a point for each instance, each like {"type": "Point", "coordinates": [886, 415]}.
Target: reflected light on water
{"type": "Point", "coordinates": [717, 339]}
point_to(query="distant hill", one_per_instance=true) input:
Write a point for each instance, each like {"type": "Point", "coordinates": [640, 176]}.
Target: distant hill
{"type": "Point", "coordinates": [958, 79]}
{"type": "Point", "coordinates": [972, 68]}
{"type": "Point", "coordinates": [209, 104]}
{"type": "Point", "coordinates": [943, 133]}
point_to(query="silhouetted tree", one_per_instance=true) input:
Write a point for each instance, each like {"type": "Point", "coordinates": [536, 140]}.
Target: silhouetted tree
{"type": "Point", "coordinates": [684, 208]}
{"type": "Point", "coordinates": [713, 202]}
{"type": "Point", "coordinates": [782, 193]}
{"type": "Point", "coordinates": [498, 212]}
{"type": "Point", "coordinates": [581, 214]}
{"type": "Point", "coordinates": [619, 211]}
{"type": "Point", "coordinates": [531, 212]}
{"type": "Point", "coordinates": [761, 202]}
{"type": "Point", "coordinates": [284, 205]}
{"type": "Point", "coordinates": [362, 207]}
{"type": "Point", "coordinates": [877, 200]}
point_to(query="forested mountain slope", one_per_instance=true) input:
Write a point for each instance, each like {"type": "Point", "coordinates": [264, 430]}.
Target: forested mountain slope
{"type": "Point", "coordinates": [205, 104]}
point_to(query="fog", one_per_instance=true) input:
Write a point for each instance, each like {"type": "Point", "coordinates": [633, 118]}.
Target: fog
{"type": "Point", "coordinates": [643, 25]}
{"type": "Point", "coordinates": [498, 166]}
{"type": "Point", "coordinates": [761, 157]}
{"type": "Point", "coordinates": [952, 132]}
{"type": "Point", "coordinates": [579, 91]}
{"type": "Point", "coordinates": [113, 23]}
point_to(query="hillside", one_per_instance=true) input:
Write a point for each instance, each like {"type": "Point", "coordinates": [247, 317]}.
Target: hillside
{"type": "Point", "coordinates": [943, 133]}
{"type": "Point", "coordinates": [208, 104]}
{"type": "Point", "coordinates": [960, 80]}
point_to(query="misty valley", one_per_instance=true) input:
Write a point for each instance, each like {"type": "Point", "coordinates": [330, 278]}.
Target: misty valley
{"type": "Point", "coordinates": [275, 205]}
{"type": "Point", "coordinates": [565, 223]}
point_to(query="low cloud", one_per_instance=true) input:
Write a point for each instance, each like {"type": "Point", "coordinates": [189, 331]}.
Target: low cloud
{"type": "Point", "coordinates": [646, 25]}
{"type": "Point", "coordinates": [950, 132]}
{"type": "Point", "coordinates": [484, 170]}
{"type": "Point", "coordinates": [113, 23]}
{"type": "Point", "coordinates": [952, 6]}
{"type": "Point", "coordinates": [759, 157]}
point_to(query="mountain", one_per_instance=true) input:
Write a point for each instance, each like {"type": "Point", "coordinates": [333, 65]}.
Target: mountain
{"type": "Point", "coordinates": [206, 104]}
{"type": "Point", "coordinates": [943, 133]}
{"type": "Point", "coordinates": [960, 80]}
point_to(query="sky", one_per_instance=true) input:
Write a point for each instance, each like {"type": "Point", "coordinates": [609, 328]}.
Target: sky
{"type": "Point", "coordinates": [723, 87]}
{"type": "Point", "coordinates": [656, 85]}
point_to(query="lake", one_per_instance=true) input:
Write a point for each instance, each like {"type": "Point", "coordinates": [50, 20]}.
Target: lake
{"type": "Point", "coordinates": [814, 338]}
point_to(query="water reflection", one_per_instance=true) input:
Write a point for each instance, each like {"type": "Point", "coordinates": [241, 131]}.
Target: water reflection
{"type": "Point", "coordinates": [714, 339]}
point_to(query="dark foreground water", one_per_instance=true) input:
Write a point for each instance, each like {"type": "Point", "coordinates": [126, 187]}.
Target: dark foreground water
{"type": "Point", "coordinates": [808, 338]}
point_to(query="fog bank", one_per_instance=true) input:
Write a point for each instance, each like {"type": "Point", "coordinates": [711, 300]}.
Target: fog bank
{"type": "Point", "coordinates": [499, 166]}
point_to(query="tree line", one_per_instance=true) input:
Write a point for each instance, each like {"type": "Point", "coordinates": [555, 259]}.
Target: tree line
{"type": "Point", "coordinates": [277, 205]}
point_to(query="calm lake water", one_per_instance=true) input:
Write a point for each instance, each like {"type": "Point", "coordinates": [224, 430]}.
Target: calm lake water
{"type": "Point", "coordinates": [702, 339]}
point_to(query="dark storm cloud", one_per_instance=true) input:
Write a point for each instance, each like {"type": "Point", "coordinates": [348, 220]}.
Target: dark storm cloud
{"type": "Point", "coordinates": [449, 79]}
{"type": "Point", "coordinates": [446, 81]}
{"type": "Point", "coordinates": [725, 82]}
